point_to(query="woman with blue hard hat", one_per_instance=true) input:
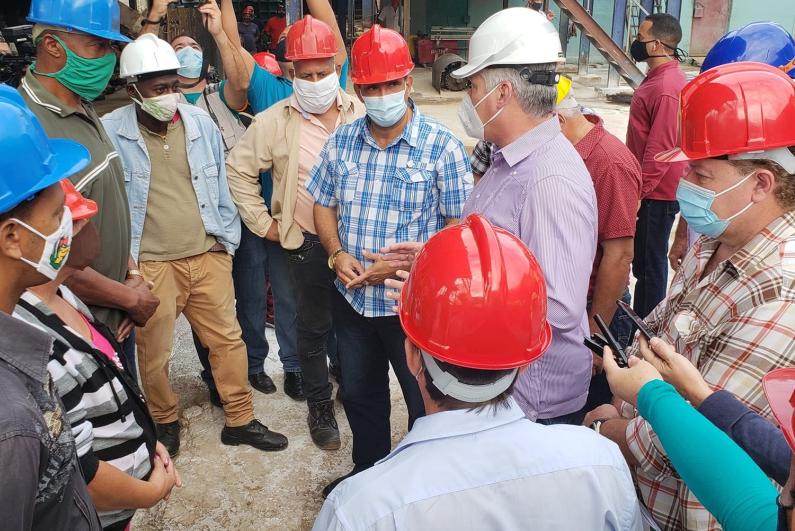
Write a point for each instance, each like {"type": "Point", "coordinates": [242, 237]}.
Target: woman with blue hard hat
{"type": "Point", "coordinates": [42, 487]}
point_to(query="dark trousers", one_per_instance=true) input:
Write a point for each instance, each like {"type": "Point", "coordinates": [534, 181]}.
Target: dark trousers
{"type": "Point", "coordinates": [368, 345]}
{"type": "Point", "coordinates": [255, 261]}
{"type": "Point", "coordinates": [621, 327]}
{"type": "Point", "coordinates": [650, 265]}
{"type": "Point", "coordinates": [312, 282]}
{"type": "Point", "coordinates": [128, 352]}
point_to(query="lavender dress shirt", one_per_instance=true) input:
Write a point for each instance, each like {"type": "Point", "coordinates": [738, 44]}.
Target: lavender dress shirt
{"type": "Point", "coordinates": [539, 189]}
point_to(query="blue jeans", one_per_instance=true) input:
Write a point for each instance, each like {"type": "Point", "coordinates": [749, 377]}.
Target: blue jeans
{"type": "Point", "coordinates": [256, 260]}
{"type": "Point", "coordinates": [368, 345]}
{"type": "Point", "coordinates": [650, 265]}
{"type": "Point", "coordinates": [622, 329]}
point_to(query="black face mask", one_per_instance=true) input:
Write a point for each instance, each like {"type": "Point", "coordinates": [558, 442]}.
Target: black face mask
{"type": "Point", "coordinates": [638, 51]}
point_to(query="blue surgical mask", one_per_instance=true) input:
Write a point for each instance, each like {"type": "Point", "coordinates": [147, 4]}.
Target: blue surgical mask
{"type": "Point", "coordinates": [191, 60]}
{"type": "Point", "coordinates": [695, 204]}
{"type": "Point", "coordinates": [387, 110]}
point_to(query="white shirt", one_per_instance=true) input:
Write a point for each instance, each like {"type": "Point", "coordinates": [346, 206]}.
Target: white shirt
{"type": "Point", "coordinates": [489, 470]}
{"type": "Point", "coordinates": [391, 17]}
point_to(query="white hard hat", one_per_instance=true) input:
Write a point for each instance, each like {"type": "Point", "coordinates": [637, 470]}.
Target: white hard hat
{"type": "Point", "coordinates": [145, 55]}
{"type": "Point", "coordinates": [514, 36]}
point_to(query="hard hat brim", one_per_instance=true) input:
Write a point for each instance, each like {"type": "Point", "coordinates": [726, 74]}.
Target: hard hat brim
{"type": "Point", "coordinates": [673, 155]}
{"type": "Point", "coordinates": [465, 71]}
{"type": "Point", "coordinates": [778, 386]}
{"type": "Point", "coordinates": [103, 34]}
{"type": "Point", "coordinates": [69, 158]}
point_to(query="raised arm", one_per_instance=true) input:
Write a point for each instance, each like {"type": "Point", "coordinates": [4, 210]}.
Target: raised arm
{"type": "Point", "coordinates": [237, 76]}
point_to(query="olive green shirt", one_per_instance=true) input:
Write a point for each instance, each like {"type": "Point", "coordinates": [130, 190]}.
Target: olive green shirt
{"type": "Point", "coordinates": [101, 181]}
{"type": "Point", "coordinates": [173, 226]}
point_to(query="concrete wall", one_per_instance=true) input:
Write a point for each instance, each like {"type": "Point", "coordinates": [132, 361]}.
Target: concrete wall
{"type": "Point", "coordinates": [745, 11]}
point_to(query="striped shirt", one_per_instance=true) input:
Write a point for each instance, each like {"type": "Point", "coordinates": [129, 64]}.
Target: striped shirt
{"type": "Point", "coordinates": [105, 409]}
{"type": "Point", "coordinates": [736, 325]}
{"type": "Point", "coordinates": [383, 196]}
{"type": "Point", "coordinates": [539, 189]}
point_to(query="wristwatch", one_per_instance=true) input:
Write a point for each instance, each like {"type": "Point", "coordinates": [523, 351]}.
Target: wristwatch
{"type": "Point", "coordinates": [134, 273]}
{"type": "Point", "coordinates": [333, 258]}
{"type": "Point", "coordinates": [597, 425]}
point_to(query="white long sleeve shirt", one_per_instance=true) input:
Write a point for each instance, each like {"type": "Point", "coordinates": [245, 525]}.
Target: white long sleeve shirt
{"type": "Point", "coordinates": [489, 470]}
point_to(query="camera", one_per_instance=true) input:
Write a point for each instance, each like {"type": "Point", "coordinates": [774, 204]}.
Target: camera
{"type": "Point", "coordinates": [189, 3]}
{"type": "Point", "coordinates": [13, 66]}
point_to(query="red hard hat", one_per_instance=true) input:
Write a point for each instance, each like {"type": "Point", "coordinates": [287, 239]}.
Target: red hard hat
{"type": "Point", "coordinates": [734, 108]}
{"type": "Point", "coordinates": [378, 56]}
{"type": "Point", "coordinates": [80, 207]}
{"type": "Point", "coordinates": [476, 298]}
{"type": "Point", "coordinates": [268, 61]}
{"type": "Point", "coordinates": [779, 386]}
{"type": "Point", "coordinates": [310, 38]}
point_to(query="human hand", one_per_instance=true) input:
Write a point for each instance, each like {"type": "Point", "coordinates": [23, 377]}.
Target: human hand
{"type": "Point", "coordinates": [605, 411]}
{"type": "Point", "coordinates": [273, 232]}
{"type": "Point", "coordinates": [144, 302]}
{"type": "Point", "coordinates": [373, 275]}
{"type": "Point", "coordinates": [347, 267]}
{"type": "Point", "coordinates": [626, 383]}
{"type": "Point", "coordinates": [161, 481]}
{"type": "Point", "coordinates": [211, 17]}
{"type": "Point", "coordinates": [677, 253]}
{"type": "Point", "coordinates": [158, 8]}
{"type": "Point", "coordinates": [125, 329]}
{"type": "Point", "coordinates": [396, 287]}
{"type": "Point", "coordinates": [401, 255]}
{"type": "Point", "coordinates": [676, 370]}
{"type": "Point", "coordinates": [168, 463]}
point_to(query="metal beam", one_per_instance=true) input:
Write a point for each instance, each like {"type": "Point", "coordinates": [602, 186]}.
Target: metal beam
{"type": "Point", "coordinates": [674, 8]}
{"type": "Point", "coordinates": [618, 36]}
{"type": "Point", "coordinates": [585, 43]}
{"type": "Point", "coordinates": [294, 10]}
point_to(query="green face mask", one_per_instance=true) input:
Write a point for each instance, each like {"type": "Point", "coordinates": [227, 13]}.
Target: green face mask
{"type": "Point", "coordinates": [85, 77]}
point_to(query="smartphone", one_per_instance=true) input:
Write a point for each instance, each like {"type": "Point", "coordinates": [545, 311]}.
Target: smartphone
{"type": "Point", "coordinates": [642, 326]}
{"type": "Point", "coordinates": [621, 356]}
{"type": "Point", "coordinates": [593, 346]}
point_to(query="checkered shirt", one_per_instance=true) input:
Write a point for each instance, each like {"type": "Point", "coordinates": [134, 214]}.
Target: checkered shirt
{"type": "Point", "coordinates": [401, 193]}
{"type": "Point", "coordinates": [481, 157]}
{"type": "Point", "coordinates": [736, 325]}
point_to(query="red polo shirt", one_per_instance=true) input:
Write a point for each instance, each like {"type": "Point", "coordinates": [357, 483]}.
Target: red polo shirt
{"type": "Point", "coordinates": [654, 128]}
{"type": "Point", "coordinates": [617, 181]}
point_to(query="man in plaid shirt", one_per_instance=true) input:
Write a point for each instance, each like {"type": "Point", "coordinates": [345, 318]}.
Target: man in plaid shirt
{"type": "Point", "coordinates": [393, 176]}
{"type": "Point", "coordinates": [731, 307]}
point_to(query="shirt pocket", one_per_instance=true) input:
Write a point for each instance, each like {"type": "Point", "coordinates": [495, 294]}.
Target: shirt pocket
{"type": "Point", "coordinates": [210, 174]}
{"type": "Point", "coordinates": [411, 189]}
{"type": "Point", "coordinates": [348, 178]}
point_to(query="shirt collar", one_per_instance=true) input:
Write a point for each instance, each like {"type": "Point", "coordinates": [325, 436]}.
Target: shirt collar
{"type": "Point", "coordinates": [587, 143]}
{"type": "Point", "coordinates": [344, 103]}
{"type": "Point", "coordinates": [522, 147]}
{"type": "Point", "coordinates": [456, 423]}
{"type": "Point", "coordinates": [410, 134]}
{"type": "Point", "coordinates": [43, 97]}
{"type": "Point", "coordinates": [24, 347]}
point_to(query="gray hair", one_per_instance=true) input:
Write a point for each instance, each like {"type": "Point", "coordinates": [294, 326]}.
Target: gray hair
{"type": "Point", "coordinates": [533, 99]}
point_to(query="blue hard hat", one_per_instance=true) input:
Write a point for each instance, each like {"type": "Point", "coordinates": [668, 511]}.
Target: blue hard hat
{"type": "Point", "coordinates": [761, 42]}
{"type": "Point", "coordinates": [95, 17]}
{"type": "Point", "coordinates": [29, 161]}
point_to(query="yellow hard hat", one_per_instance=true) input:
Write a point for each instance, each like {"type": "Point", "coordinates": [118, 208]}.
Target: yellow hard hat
{"type": "Point", "coordinates": [563, 86]}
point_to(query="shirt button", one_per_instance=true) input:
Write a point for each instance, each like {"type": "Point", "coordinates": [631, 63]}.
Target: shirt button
{"type": "Point", "coordinates": [410, 164]}
{"type": "Point", "coordinates": [165, 146]}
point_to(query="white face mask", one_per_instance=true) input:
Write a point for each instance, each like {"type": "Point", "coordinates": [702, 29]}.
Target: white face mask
{"type": "Point", "coordinates": [470, 119]}
{"type": "Point", "coordinates": [387, 110]}
{"type": "Point", "coordinates": [161, 108]}
{"type": "Point", "coordinates": [316, 97]}
{"type": "Point", "coordinates": [56, 246]}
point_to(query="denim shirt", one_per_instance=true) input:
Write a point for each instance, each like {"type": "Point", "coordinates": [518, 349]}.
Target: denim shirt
{"type": "Point", "coordinates": [208, 171]}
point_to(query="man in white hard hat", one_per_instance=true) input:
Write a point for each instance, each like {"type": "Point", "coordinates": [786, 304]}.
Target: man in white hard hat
{"type": "Point", "coordinates": [537, 188]}
{"type": "Point", "coordinates": [185, 230]}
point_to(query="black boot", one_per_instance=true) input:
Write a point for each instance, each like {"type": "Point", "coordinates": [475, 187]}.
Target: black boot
{"type": "Point", "coordinates": [294, 385]}
{"type": "Point", "coordinates": [254, 434]}
{"type": "Point", "coordinates": [215, 398]}
{"type": "Point", "coordinates": [323, 425]}
{"type": "Point", "coordinates": [262, 383]}
{"type": "Point", "coordinates": [168, 435]}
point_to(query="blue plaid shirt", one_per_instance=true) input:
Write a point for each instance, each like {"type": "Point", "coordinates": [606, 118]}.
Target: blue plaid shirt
{"type": "Point", "coordinates": [401, 193]}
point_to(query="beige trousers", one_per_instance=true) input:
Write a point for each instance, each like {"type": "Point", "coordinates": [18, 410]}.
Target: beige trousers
{"type": "Point", "coordinates": [200, 287]}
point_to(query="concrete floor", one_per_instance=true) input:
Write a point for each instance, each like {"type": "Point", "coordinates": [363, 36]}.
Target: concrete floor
{"type": "Point", "coordinates": [242, 488]}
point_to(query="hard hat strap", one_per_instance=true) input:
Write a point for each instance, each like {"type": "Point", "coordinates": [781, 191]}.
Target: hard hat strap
{"type": "Point", "coordinates": [540, 77]}
{"type": "Point", "coordinates": [473, 394]}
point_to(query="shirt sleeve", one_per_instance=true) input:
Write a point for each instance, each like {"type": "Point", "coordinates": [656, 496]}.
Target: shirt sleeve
{"type": "Point", "coordinates": [723, 477]}
{"type": "Point", "coordinates": [321, 183]}
{"type": "Point", "coordinates": [344, 74]}
{"type": "Point", "coordinates": [454, 179]}
{"type": "Point", "coordinates": [618, 195]}
{"type": "Point", "coordinates": [760, 438]}
{"type": "Point", "coordinates": [481, 157]}
{"type": "Point", "coordinates": [663, 136]}
{"type": "Point", "coordinates": [327, 519]}
{"type": "Point", "coordinates": [20, 463]}
{"type": "Point", "coordinates": [251, 156]}
{"type": "Point", "coordinates": [265, 89]}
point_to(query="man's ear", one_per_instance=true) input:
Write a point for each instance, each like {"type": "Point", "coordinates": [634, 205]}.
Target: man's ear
{"type": "Point", "coordinates": [9, 240]}
{"type": "Point", "coordinates": [413, 358]}
{"type": "Point", "coordinates": [51, 46]}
